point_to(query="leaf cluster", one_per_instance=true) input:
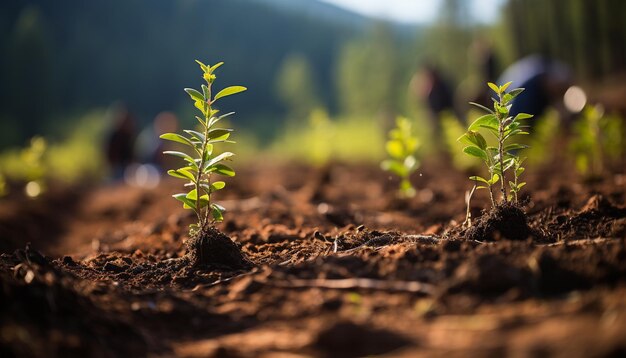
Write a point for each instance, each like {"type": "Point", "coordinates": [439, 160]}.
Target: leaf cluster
{"type": "Point", "coordinates": [202, 160]}
{"type": "Point", "coordinates": [503, 157]}
{"type": "Point", "coordinates": [401, 147]}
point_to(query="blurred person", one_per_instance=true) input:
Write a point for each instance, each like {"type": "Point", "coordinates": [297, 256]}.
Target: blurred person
{"type": "Point", "coordinates": [120, 142]}
{"type": "Point", "coordinates": [544, 81]}
{"type": "Point", "coordinates": [486, 63]}
{"type": "Point", "coordinates": [431, 87]}
{"type": "Point", "coordinates": [149, 147]}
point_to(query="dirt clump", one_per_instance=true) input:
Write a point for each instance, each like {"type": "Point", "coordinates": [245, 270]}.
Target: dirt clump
{"type": "Point", "coordinates": [505, 221]}
{"type": "Point", "coordinates": [212, 247]}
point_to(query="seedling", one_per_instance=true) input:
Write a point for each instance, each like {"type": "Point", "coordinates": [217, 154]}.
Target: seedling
{"type": "Point", "coordinates": [504, 156]}
{"type": "Point", "coordinates": [597, 137]}
{"type": "Point", "coordinates": [203, 161]}
{"type": "Point", "coordinates": [401, 148]}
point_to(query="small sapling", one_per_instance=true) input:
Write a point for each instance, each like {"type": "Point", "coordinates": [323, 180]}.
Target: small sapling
{"type": "Point", "coordinates": [401, 148]}
{"type": "Point", "coordinates": [503, 157]}
{"type": "Point", "coordinates": [202, 163]}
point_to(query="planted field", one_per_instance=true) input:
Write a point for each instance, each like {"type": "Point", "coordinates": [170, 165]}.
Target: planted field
{"type": "Point", "coordinates": [337, 267]}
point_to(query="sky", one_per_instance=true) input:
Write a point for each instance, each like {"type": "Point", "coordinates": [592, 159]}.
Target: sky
{"type": "Point", "coordinates": [415, 11]}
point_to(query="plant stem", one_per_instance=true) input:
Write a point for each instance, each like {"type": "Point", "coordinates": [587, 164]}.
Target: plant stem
{"type": "Point", "coordinates": [516, 188]}
{"type": "Point", "coordinates": [468, 214]}
{"type": "Point", "coordinates": [501, 152]}
{"type": "Point", "coordinates": [203, 221]}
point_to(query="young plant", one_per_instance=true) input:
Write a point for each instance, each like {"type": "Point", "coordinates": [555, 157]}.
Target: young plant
{"type": "Point", "coordinates": [202, 160]}
{"type": "Point", "coordinates": [504, 156]}
{"type": "Point", "coordinates": [597, 138]}
{"type": "Point", "coordinates": [401, 148]}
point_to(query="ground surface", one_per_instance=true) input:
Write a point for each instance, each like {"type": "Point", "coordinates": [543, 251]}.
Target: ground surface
{"type": "Point", "coordinates": [340, 269]}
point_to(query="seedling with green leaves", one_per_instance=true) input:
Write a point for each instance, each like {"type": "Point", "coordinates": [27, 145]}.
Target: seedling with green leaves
{"type": "Point", "coordinates": [504, 156]}
{"type": "Point", "coordinates": [401, 147]}
{"type": "Point", "coordinates": [597, 139]}
{"type": "Point", "coordinates": [202, 160]}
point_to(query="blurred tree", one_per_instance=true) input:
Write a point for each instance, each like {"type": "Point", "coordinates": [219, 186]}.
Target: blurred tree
{"type": "Point", "coordinates": [86, 54]}
{"type": "Point", "coordinates": [367, 74]}
{"type": "Point", "coordinates": [447, 42]}
{"type": "Point", "coordinates": [296, 86]}
{"type": "Point", "coordinates": [588, 34]}
{"type": "Point", "coordinates": [27, 91]}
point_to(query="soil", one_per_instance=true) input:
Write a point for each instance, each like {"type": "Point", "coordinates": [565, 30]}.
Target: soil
{"type": "Point", "coordinates": [333, 266]}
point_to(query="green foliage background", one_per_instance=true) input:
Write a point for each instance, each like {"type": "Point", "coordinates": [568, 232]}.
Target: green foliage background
{"type": "Point", "coordinates": [302, 60]}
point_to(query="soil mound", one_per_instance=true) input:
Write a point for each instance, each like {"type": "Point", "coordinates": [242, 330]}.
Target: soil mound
{"type": "Point", "coordinates": [505, 221]}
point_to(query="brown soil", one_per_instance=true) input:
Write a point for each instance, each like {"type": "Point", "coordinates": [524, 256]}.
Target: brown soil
{"type": "Point", "coordinates": [333, 266]}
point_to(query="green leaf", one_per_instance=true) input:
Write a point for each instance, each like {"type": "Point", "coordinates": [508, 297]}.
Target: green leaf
{"type": "Point", "coordinates": [476, 152]}
{"type": "Point", "coordinates": [223, 170]}
{"type": "Point", "coordinates": [508, 163]}
{"type": "Point", "coordinates": [229, 91]}
{"type": "Point", "coordinates": [201, 121]}
{"type": "Point", "coordinates": [481, 107]}
{"type": "Point", "coordinates": [202, 66]}
{"type": "Point", "coordinates": [395, 167]}
{"type": "Point", "coordinates": [521, 116]}
{"type": "Point", "coordinates": [217, 212]}
{"type": "Point", "coordinates": [514, 146]}
{"type": "Point", "coordinates": [208, 151]}
{"type": "Point", "coordinates": [174, 137]}
{"type": "Point", "coordinates": [215, 67]}
{"type": "Point", "coordinates": [201, 106]}
{"type": "Point", "coordinates": [486, 121]}
{"type": "Point", "coordinates": [505, 86]}
{"type": "Point", "coordinates": [214, 120]}
{"type": "Point", "coordinates": [514, 188]}
{"type": "Point", "coordinates": [194, 94]}
{"type": "Point", "coordinates": [180, 155]}
{"type": "Point", "coordinates": [478, 178]}
{"type": "Point", "coordinates": [182, 174]}
{"type": "Point", "coordinates": [218, 133]}
{"type": "Point", "coordinates": [514, 132]}
{"type": "Point", "coordinates": [193, 197]}
{"type": "Point", "coordinates": [473, 138]}
{"type": "Point", "coordinates": [195, 134]}
{"type": "Point", "coordinates": [215, 186]}
{"type": "Point", "coordinates": [515, 92]}
{"type": "Point", "coordinates": [494, 179]}
{"type": "Point", "coordinates": [519, 171]}
{"type": "Point", "coordinates": [218, 159]}
{"type": "Point", "coordinates": [188, 204]}
{"type": "Point", "coordinates": [395, 149]}
{"type": "Point", "coordinates": [493, 87]}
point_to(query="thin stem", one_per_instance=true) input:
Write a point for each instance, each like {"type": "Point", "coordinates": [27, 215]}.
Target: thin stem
{"type": "Point", "coordinates": [203, 221]}
{"type": "Point", "coordinates": [501, 151]}
{"type": "Point", "coordinates": [516, 188]}
{"type": "Point", "coordinates": [468, 214]}
{"type": "Point", "coordinates": [490, 165]}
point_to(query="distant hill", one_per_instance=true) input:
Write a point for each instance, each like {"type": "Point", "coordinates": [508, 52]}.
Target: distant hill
{"type": "Point", "coordinates": [323, 10]}
{"type": "Point", "coordinates": [78, 54]}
